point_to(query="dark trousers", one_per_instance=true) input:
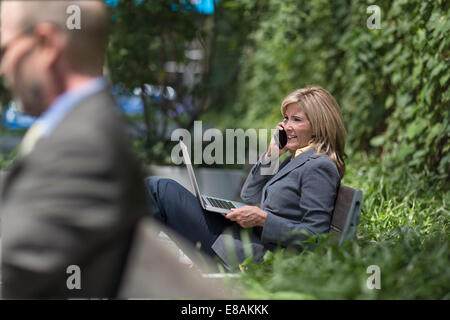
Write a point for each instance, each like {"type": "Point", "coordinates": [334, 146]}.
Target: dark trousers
{"type": "Point", "coordinates": [177, 208]}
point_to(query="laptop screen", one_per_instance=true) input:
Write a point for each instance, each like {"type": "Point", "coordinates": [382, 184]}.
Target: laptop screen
{"type": "Point", "coordinates": [190, 170]}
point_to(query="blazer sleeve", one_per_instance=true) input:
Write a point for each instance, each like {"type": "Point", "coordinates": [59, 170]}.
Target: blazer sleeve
{"type": "Point", "coordinates": [252, 189]}
{"type": "Point", "coordinates": [318, 189]}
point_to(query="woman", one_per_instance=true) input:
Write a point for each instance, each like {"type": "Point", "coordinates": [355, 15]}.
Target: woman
{"type": "Point", "coordinates": [294, 203]}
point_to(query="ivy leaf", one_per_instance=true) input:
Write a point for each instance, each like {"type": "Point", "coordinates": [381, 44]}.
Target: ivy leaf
{"type": "Point", "coordinates": [403, 100]}
{"type": "Point", "coordinates": [404, 151]}
{"type": "Point", "coordinates": [415, 128]}
{"type": "Point", "coordinates": [389, 102]}
{"type": "Point", "coordinates": [377, 141]}
{"type": "Point", "coordinates": [443, 80]}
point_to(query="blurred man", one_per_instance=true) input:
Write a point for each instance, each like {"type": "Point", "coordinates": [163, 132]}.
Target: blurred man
{"type": "Point", "coordinates": [71, 201]}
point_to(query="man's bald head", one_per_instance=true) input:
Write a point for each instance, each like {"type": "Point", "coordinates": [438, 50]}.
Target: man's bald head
{"type": "Point", "coordinates": [85, 46]}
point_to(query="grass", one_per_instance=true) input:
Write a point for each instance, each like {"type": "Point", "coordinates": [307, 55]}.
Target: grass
{"type": "Point", "coordinates": [403, 230]}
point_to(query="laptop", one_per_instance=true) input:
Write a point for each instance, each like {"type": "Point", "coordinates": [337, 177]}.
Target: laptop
{"type": "Point", "coordinates": [210, 203]}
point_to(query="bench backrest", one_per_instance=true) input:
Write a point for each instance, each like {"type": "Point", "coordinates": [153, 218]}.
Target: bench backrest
{"type": "Point", "coordinates": [346, 213]}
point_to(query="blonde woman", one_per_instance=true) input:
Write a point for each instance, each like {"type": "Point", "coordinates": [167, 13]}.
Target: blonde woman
{"type": "Point", "coordinates": [292, 204]}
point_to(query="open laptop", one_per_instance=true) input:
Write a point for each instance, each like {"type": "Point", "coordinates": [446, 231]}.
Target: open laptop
{"type": "Point", "coordinates": [209, 203]}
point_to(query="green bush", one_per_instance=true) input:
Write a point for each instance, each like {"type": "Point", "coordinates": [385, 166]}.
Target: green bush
{"type": "Point", "coordinates": [392, 83]}
{"type": "Point", "coordinates": [410, 268]}
{"type": "Point", "coordinates": [403, 229]}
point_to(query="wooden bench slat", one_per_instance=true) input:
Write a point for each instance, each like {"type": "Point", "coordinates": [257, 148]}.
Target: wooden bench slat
{"type": "Point", "coordinates": [346, 213]}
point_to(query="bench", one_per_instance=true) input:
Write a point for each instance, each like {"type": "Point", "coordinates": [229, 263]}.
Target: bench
{"type": "Point", "coordinates": [346, 213]}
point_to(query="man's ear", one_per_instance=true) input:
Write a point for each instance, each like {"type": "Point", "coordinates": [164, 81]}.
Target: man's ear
{"type": "Point", "coordinates": [51, 42]}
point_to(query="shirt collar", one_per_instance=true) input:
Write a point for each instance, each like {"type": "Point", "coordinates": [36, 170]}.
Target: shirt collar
{"type": "Point", "coordinates": [300, 151]}
{"type": "Point", "coordinates": [66, 101]}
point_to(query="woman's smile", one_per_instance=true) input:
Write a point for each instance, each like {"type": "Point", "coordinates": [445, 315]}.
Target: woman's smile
{"type": "Point", "coordinates": [297, 126]}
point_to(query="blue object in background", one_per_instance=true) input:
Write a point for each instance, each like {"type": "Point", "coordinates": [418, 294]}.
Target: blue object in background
{"type": "Point", "coordinates": [201, 6]}
{"type": "Point", "coordinates": [204, 6]}
{"type": "Point", "coordinates": [13, 119]}
{"type": "Point", "coordinates": [129, 103]}
{"type": "Point", "coordinates": [112, 3]}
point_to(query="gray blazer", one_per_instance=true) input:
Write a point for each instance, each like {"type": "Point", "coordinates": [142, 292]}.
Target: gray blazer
{"type": "Point", "coordinates": [299, 201]}
{"type": "Point", "coordinates": [74, 200]}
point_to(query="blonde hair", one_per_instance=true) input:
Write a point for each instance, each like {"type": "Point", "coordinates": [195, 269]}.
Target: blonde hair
{"type": "Point", "coordinates": [325, 116]}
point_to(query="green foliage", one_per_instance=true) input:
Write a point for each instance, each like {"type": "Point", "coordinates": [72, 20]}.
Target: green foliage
{"type": "Point", "coordinates": [392, 83]}
{"type": "Point", "coordinates": [411, 268]}
{"type": "Point", "coordinates": [403, 229]}
{"type": "Point", "coordinates": [145, 37]}
{"type": "Point", "coordinates": [233, 21]}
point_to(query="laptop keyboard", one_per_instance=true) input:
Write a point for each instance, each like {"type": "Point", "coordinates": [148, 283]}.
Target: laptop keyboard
{"type": "Point", "coordinates": [220, 203]}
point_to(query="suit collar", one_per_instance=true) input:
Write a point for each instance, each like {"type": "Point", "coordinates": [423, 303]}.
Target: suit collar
{"type": "Point", "coordinates": [294, 163]}
{"type": "Point", "coordinates": [58, 110]}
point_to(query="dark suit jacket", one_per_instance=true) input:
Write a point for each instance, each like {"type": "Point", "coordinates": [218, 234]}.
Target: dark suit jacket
{"type": "Point", "coordinates": [299, 201]}
{"type": "Point", "coordinates": [74, 200]}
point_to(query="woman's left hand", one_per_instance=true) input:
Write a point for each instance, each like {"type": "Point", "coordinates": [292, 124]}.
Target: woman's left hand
{"type": "Point", "coordinates": [248, 216]}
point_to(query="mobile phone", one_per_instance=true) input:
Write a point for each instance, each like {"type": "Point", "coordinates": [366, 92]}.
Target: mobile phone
{"type": "Point", "coordinates": [281, 138]}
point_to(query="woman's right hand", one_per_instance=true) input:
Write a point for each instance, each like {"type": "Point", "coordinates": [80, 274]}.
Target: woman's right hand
{"type": "Point", "coordinates": [273, 146]}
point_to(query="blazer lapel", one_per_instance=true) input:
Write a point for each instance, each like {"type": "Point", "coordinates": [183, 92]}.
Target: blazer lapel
{"type": "Point", "coordinates": [31, 137]}
{"type": "Point", "coordinates": [296, 162]}
{"type": "Point", "coordinates": [284, 170]}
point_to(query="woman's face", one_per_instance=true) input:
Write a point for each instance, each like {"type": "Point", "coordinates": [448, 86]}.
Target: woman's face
{"type": "Point", "coordinates": [297, 127]}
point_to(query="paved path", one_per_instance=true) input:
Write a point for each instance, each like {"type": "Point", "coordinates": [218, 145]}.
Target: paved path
{"type": "Point", "coordinates": [8, 143]}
